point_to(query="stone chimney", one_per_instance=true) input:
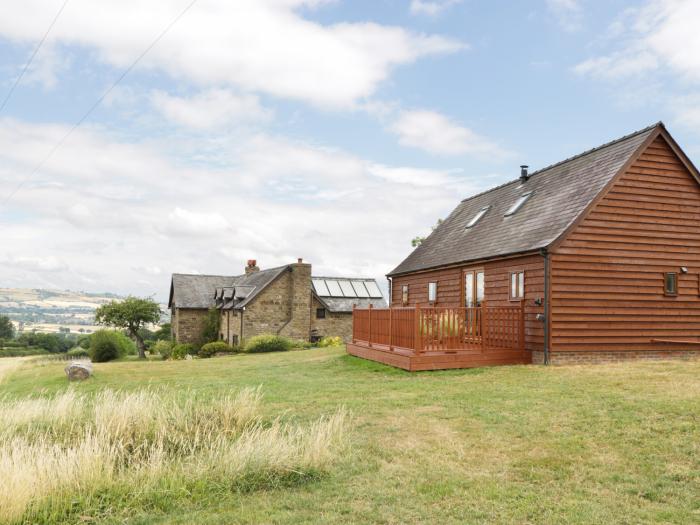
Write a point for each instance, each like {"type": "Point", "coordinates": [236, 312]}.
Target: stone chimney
{"type": "Point", "coordinates": [251, 267]}
{"type": "Point", "coordinates": [299, 326]}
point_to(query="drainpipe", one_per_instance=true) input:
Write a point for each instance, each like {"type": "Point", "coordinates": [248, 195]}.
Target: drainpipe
{"type": "Point", "coordinates": [545, 254]}
{"type": "Point", "coordinates": [391, 289]}
{"type": "Point", "coordinates": [241, 339]}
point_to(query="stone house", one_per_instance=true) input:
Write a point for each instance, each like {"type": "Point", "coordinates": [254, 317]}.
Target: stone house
{"type": "Point", "coordinates": [285, 300]}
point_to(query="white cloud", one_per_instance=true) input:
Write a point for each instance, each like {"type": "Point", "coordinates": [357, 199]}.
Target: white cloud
{"type": "Point", "coordinates": [435, 133]}
{"type": "Point", "coordinates": [47, 263]}
{"type": "Point", "coordinates": [273, 199]}
{"type": "Point", "coordinates": [198, 223]}
{"type": "Point", "coordinates": [659, 38]}
{"type": "Point", "coordinates": [215, 108]}
{"type": "Point", "coordinates": [568, 13]}
{"type": "Point", "coordinates": [662, 34]}
{"type": "Point", "coordinates": [431, 8]}
{"type": "Point", "coordinates": [250, 45]}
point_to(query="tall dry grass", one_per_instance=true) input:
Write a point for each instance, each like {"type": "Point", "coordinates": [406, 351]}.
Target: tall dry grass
{"type": "Point", "coordinates": [72, 453]}
{"type": "Point", "coordinates": [10, 364]}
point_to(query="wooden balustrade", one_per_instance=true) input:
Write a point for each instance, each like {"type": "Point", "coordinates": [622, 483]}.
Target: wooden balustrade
{"type": "Point", "coordinates": [436, 329]}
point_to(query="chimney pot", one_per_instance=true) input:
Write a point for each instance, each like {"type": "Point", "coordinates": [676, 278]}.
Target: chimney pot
{"type": "Point", "coordinates": [300, 260]}
{"type": "Point", "coordinates": [523, 172]}
{"type": "Point", "coordinates": [251, 266]}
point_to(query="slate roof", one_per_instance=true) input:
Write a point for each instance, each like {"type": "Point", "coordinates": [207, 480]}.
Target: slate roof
{"type": "Point", "coordinates": [196, 291]}
{"type": "Point", "coordinates": [202, 291]}
{"type": "Point", "coordinates": [344, 304]}
{"type": "Point", "coordinates": [561, 192]}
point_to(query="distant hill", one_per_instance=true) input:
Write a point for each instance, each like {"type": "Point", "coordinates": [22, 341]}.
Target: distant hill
{"type": "Point", "coordinates": [53, 310]}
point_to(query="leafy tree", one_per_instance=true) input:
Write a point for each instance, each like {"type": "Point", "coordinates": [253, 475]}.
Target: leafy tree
{"type": "Point", "coordinates": [164, 333]}
{"type": "Point", "coordinates": [132, 314]}
{"type": "Point", "coordinates": [417, 241]}
{"type": "Point", "coordinates": [53, 343]}
{"type": "Point", "coordinates": [7, 329]}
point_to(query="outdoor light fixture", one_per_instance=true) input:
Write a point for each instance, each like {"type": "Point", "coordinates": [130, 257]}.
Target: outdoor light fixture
{"type": "Point", "coordinates": [684, 269]}
{"type": "Point", "coordinates": [538, 301]}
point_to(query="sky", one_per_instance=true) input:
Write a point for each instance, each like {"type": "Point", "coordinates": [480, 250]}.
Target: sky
{"type": "Point", "coordinates": [335, 131]}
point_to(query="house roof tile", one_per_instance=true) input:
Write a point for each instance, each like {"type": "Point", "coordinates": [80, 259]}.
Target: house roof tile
{"type": "Point", "coordinates": [560, 193]}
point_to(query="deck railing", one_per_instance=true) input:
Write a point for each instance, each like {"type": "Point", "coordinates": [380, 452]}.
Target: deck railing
{"type": "Point", "coordinates": [438, 329]}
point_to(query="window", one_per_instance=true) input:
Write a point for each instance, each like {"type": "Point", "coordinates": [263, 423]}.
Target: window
{"type": "Point", "coordinates": [404, 295]}
{"type": "Point", "coordinates": [670, 283]}
{"type": "Point", "coordinates": [473, 288]}
{"type": "Point", "coordinates": [517, 285]}
{"type": "Point", "coordinates": [432, 292]}
{"type": "Point", "coordinates": [320, 313]}
{"type": "Point", "coordinates": [518, 204]}
{"type": "Point", "coordinates": [478, 216]}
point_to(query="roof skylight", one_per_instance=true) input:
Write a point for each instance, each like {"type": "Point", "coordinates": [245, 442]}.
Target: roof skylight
{"type": "Point", "coordinates": [518, 204]}
{"type": "Point", "coordinates": [478, 216]}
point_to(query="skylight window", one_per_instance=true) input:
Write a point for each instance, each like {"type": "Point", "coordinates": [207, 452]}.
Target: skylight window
{"type": "Point", "coordinates": [518, 204]}
{"type": "Point", "coordinates": [478, 216]}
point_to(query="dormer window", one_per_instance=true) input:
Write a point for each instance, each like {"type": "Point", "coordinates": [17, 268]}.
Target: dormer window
{"type": "Point", "coordinates": [478, 217]}
{"type": "Point", "coordinates": [518, 204]}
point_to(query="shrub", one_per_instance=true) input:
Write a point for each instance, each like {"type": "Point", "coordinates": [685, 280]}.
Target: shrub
{"type": "Point", "coordinates": [181, 350]}
{"type": "Point", "coordinates": [268, 343]}
{"type": "Point", "coordinates": [330, 341]}
{"type": "Point", "coordinates": [162, 348]}
{"type": "Point", "coordinates": [210, 349]}
{"type": "Point", "coordinates": [78, 352]}
{"type": "Point", "coordinates": [22, 351]}
{"type": "Point", "coordinates": [302, 344]}
{"type": "Point", "coordinates": [106, 345]}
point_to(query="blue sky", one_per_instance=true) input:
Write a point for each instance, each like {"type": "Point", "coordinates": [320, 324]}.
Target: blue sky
{"type": "Point", "coordinates": [330, 130]}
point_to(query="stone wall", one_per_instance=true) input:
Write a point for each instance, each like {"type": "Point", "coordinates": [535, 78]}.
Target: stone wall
{"type": "Point", "coordinates": [270, 311]}
{"type": "Point", "coordinates": [188, 324]}
{"type": "Point", "coordinates": [230, 327]}
{"type": "Point", "coordinates": [299, 325]}
{"type": "Point", "coordinates": [589, 358]}
{"type": "Point", "coordinates": [334, 324]}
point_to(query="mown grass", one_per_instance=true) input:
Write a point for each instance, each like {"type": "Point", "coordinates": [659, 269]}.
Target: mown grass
{"type": "Point", "coordinates": [522, 444]}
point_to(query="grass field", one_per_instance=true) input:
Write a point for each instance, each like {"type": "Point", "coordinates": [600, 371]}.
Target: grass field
{"type": "Point", "coordinates": [523, 444]}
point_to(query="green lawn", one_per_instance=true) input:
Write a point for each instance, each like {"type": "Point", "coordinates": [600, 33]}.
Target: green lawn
{"type": "Point", "coordinates": [521, 444]}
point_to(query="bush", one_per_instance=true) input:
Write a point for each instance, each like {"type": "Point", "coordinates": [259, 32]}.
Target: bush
{"type": "Point", "coordinates": [302, 344]}
{"type": "Point", "coordinates": [162, 348]}
{"type": "Point", "coordinates": [22, 351]}
{"type": "Point", "coordinates": [330, 341]}
{"type": "Point", "coordinates": [210, 349]}
{"type": "Point", "coordinates": [106, 345]}
{"type": "Point", "coordinates": [78, 351]}
{"type": "Point", "coordinates": [181, 350]}
{"type": "Point", "coordinates": [268, 343]}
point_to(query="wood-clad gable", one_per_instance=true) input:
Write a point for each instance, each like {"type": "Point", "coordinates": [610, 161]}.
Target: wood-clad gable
{"type": "Point", "coordinates": [607, 272]}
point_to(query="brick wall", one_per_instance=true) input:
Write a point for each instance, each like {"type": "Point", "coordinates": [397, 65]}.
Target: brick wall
{"type": "Point", "coordinates": [335, 324]}
{"type": "Point", "coordinates": [616, 356]}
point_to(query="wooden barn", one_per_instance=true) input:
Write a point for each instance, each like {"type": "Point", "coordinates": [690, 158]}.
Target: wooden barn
{"type": "Point", "coordinates": [593, 259]}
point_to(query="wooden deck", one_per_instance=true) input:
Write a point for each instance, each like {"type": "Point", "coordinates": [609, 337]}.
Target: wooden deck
{"type": "Point", "coordinates": [418, 338]}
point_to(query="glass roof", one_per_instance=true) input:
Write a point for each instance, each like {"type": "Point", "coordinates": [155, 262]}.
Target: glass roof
{"type": "Point", "coordinates": [373, 289]}
{"type": "Point", "coordinates": [320, 287]}
{"type": "Point", "coordinates": [346, 288]}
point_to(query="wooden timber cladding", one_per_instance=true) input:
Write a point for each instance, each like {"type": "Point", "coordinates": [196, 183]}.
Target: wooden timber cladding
{"type": "Point", "coordinates": [607, 275]}
{"type": "Point", "coordinates": [450, 289]}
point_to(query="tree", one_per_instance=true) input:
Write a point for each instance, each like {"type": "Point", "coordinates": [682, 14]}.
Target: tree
{"type": "Point", "coordinates": [131, 314]}
{"type": "Point", "coordinates": [7, 329]}
{"type": "Point", "coordinates": [417, 241]}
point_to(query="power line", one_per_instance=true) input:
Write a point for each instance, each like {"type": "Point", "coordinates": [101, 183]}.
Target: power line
{"type": "Point", "coordinates": [96, 104]}
{"type": "Point", "coordinates": [31, 58]}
